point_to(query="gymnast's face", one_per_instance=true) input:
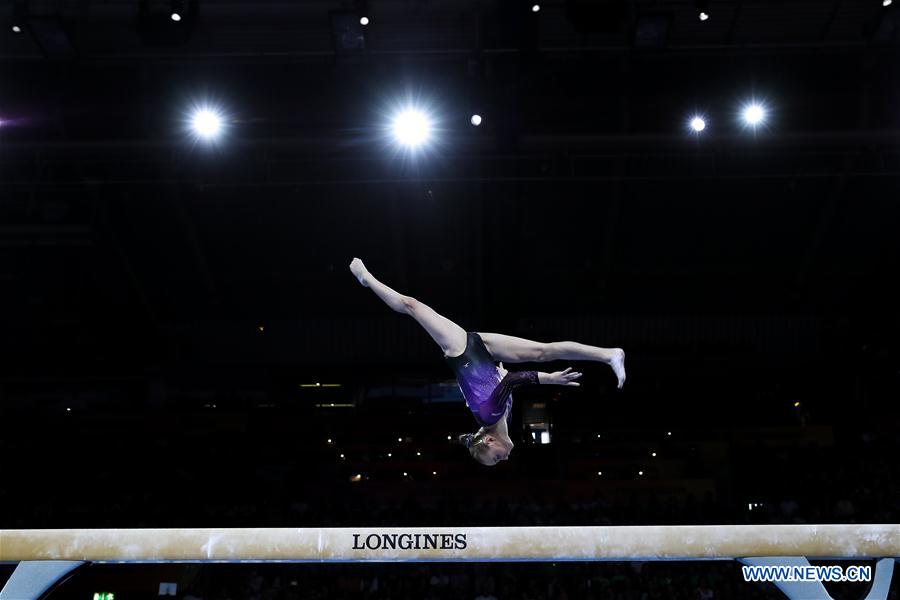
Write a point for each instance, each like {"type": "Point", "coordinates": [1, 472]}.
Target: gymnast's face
{"type": "Point", "coordinates": [494, 451]}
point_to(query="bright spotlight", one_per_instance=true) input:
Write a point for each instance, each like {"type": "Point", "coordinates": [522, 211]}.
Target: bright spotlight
{"type": "Point", "coordinates": [176, 17]}
{"type": "Point", "coordinates": [886, 2]}
{"type": "Point", "coordinates": [206, 123]}
{"type": "Point", "coordinates": [476, 120]}
{"type": "Point", "coordinates": [364, 21]}
{"type": "Point", "coordinates": [754, 114]}
{"type": "Point", "coordinates": [698, 124]}
{"type": "Point", "coordinates": [704, 16]}
{"type": "Point", "coordinates": [411, 128]}
{"type": "Point", "coordinates": [536, 8]}
{"type": "Point", "coordinates": [16, 29]}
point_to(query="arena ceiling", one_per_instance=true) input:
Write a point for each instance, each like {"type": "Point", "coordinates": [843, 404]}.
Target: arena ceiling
{"type": "Point", "coordinates": [580, 204]}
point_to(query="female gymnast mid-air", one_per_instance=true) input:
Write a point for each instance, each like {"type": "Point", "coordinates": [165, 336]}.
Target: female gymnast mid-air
{"type": "Point", "coordinates": [486, 387]}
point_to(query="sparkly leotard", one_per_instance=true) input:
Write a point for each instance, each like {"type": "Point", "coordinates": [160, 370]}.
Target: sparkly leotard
{"type": "Point", "coordinates": [487, 395]}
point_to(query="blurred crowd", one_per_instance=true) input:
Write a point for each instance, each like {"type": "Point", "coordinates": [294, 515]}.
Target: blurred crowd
{"type": "Point", "coordinates": [806, 487]}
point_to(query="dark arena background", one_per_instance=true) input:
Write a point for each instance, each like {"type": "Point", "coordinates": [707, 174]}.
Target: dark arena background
{"type": "Point", "coordinates": [711, 186]}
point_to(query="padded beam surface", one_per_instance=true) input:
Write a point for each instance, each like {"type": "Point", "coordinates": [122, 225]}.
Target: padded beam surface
{"type": "Point", "coordinates": [452, 543]}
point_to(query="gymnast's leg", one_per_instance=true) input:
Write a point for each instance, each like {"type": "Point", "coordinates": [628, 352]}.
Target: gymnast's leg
{"type": "Point", "coordinates": [515, 349]}
{"type": "Point", "coordinates": [449, 336]}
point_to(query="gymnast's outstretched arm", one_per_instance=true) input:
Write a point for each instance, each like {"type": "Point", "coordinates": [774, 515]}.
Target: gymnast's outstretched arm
{"type": "Point", "coordinates": [566, 377]}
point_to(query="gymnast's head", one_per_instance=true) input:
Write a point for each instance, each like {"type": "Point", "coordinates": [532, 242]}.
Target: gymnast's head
{"type": "Point", "coordinates": [485, 447]}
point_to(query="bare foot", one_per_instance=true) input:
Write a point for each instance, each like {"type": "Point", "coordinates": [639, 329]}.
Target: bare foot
{"type": "Point", "coordinates": [359, 270]}
{"type": "Point", "coordinates": [618, 365]}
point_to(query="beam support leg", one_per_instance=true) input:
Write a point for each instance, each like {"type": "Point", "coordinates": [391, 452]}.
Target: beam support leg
{"type": "Point", "coordinates": [881, 580]}
{"type": "Point", "coordinates": [34, 578]}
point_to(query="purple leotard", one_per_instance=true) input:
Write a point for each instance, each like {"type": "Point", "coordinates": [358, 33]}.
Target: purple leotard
{"type": "Point", "coordinates": [487, 395]}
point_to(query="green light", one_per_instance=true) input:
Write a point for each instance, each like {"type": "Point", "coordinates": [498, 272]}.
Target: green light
{"type": "Point", "coordinates": [104, 596]}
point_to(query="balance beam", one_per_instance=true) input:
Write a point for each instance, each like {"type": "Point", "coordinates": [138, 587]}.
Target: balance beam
{"type": "Point", "coordinates": [450, 544]}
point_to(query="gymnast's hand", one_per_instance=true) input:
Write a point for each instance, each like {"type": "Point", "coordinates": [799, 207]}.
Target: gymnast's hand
{"type": "Point", "coordinates": [561, 377]}
{"type": "Point", "coordinates": [502, 370]}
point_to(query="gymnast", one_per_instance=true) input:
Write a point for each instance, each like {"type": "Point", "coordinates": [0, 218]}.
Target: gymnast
{"type": "Point", "coordinates": [486, 387]}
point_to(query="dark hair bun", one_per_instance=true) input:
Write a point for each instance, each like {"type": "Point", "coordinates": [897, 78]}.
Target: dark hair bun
{"type": "Point", "coordinates": [466, 439]}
